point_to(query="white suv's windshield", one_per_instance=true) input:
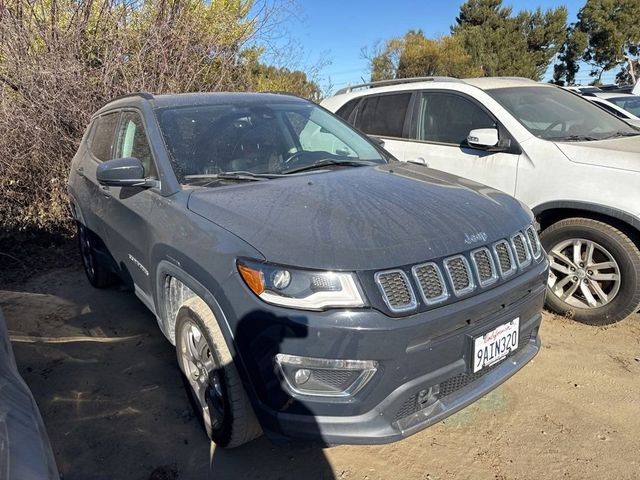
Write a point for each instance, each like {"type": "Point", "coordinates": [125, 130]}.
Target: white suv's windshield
{"type": "Point", "coordinates": [555, 114]}
{"type": "Point", "coordinates": [258, 141]}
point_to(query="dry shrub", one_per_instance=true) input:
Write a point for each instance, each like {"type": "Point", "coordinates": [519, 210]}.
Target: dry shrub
{"type": "Point", "coordinates": [60, 60]}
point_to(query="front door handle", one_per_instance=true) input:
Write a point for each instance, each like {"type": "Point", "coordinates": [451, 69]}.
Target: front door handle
{"type": "Point", "coordinates": [105, 191]}
{"type": "Point", "coordinates": [80, 171]}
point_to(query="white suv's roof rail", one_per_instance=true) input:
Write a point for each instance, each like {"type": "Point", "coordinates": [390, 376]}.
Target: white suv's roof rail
{"type": "Point", "coordinates": [396, 81]}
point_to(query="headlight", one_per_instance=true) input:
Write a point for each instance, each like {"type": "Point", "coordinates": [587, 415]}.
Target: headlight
{"type": "Point", "coordinates": [305, 289]}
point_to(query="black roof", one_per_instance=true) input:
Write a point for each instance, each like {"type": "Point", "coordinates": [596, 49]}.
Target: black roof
{"type": "Point", "coordinates": [201, 98]}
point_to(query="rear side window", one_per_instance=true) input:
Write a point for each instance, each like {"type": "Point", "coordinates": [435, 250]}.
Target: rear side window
{"type": "Point", "coordinates": [384, 114]}
{"type": "Point", "coordinates": [448, 118]}
{"type": "Point", "coordinates": [347, 109]}
{"type": "Point", "coordinates": [101, 143]}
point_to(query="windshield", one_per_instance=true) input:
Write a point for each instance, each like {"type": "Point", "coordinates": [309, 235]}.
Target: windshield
{"type": "Point", "coordinates": [555, 114]}
{"type": "Point", "coordinates": [258, 140]}
{"type": "Point", "coordinates": [629, 103]}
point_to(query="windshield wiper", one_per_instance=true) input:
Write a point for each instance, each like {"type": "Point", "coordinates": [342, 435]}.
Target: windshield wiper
{"type": "Point", "coordinates": [575, 138]}
{"type": "Point", "coordinates": [327, 162]}
{"type": "Point", "coordinates": [620, 134]}
{"type": "Point", "coordinates": [240, 176]}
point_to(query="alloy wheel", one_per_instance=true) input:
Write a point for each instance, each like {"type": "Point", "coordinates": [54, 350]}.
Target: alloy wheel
{"type": "Point", "coordinates": [583, 273]}
{"type": "Point", "coordinates": [203, 375]}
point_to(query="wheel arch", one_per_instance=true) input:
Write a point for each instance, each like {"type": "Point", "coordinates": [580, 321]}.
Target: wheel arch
{"type": "Point", "coordinates": [174, 287]}
{"type": "Point", "coordinates": [76, 211]}
{"type": "Point", "coordinates": [547, 214]}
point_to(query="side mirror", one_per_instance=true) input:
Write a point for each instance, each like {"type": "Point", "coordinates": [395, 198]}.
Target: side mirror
{"type": "Point", "coordinates": [122, 172]}
{"type": "Point", "coordinates": [485, 138]}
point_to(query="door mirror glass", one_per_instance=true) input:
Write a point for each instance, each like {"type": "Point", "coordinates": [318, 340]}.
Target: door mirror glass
{"type": "Point", "coordinates": [483, 138]}
{"type": "Point", "coordinates": [122, 172]}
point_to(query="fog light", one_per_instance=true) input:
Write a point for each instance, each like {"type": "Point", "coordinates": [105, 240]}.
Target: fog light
{"type": "Point", "coordinates": [302, 376]}
{"type": "Point", "coordinates": [324, 377]}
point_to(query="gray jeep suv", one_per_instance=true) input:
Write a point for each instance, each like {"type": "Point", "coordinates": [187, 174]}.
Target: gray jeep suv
{"type": "Point", "coordinates": [314, 287]}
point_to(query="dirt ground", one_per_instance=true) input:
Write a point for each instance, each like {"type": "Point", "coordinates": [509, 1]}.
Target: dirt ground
{"type": "Point", "coordinates": [113, 402]}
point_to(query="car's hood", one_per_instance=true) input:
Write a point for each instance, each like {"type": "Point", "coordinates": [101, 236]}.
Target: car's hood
{"type": "Point", "coordinates": [362, 218]}
{"type": "Point", "coordinates": [622, 153]}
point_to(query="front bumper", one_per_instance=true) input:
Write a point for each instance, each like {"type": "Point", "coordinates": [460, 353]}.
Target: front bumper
{"type": "Point", "coordinates": [413, 353]}
{"type": "Point", "coordinates": [379, 425]}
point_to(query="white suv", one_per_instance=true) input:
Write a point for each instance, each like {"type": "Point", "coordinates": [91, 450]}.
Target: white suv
{"type": "Point", "coordinates": [575, 165]}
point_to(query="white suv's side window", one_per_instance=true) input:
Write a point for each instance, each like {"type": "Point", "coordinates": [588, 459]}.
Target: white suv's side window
{"type": "Point", "coordinates": [448, 118]}
{"type": "Point", "coordinates": [383, 115]}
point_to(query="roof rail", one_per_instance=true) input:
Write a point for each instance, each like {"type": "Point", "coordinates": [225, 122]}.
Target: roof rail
{"type": "Point", "coordinates": [396, 81]}
{"type": "Point", "coordinates": [145, 95]}
{"type": "Point", "coordinates": [520, 78]}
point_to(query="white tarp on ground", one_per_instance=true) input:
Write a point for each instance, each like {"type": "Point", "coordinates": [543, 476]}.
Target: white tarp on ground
{"type": "Point", "coordinates": [25, 452]}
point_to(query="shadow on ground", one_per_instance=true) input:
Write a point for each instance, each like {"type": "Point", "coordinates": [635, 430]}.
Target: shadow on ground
{"type": "Point", "coordinates": [115, 406]}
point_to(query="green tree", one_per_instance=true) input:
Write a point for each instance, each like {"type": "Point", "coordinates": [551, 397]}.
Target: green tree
{"type": "Point", "coordinates": [502, 44]}
{"type": "Point", "coordinates": [267, 78]}
{"type": "Point", "coordinates": [606, 37]}
{"type": "Point", "coordinates": [569, 57]}
{"type": "Point", "coordinates": [415, 55]}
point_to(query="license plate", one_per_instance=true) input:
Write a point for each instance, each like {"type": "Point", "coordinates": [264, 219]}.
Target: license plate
{"type": "Point", "coordinates": [493, 346]}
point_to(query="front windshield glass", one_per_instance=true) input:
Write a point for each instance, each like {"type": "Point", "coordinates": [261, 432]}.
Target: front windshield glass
{"type": "Point", "coordinates": [629, 103]}
{"type": "Point", "coordinates": [555, 114]}
{"type": "Point", "coordinates": [266, 139]}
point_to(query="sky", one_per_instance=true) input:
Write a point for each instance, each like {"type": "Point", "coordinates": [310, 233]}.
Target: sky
{"type": "Point", "coordinates": [332, 33]}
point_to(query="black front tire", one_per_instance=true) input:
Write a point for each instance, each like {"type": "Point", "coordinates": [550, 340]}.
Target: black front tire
{"type": "Point", "coordinates": [238, 424]}
{"type": "Point", "coordinates": [98, 274]}
{"type": "Point", "coordinates": [625, 253]}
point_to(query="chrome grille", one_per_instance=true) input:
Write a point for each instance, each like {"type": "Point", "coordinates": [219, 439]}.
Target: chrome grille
{"type": "Point", "coordinates": [396, 291]}
{"type": "Point", "coordinates": [485, 266]}
{"type": "Point", "coordinates": [534, 242]}
{"type": "Point", "coordinates": [431, 283]}
{"type": "Point", "coordinates": [459, 274]}
{"type": "Point", "coordinates": [520, 247]}
{"type": "Point", "coordinates": [505, 258]}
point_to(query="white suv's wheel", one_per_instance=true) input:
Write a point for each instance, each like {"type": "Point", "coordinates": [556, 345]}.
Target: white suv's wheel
{"type": "Point", "coordinates": [594, 270]}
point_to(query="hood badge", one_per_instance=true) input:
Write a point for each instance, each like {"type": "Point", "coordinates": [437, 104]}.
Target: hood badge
{"type": "Point", "coordinates": [475, 237]}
